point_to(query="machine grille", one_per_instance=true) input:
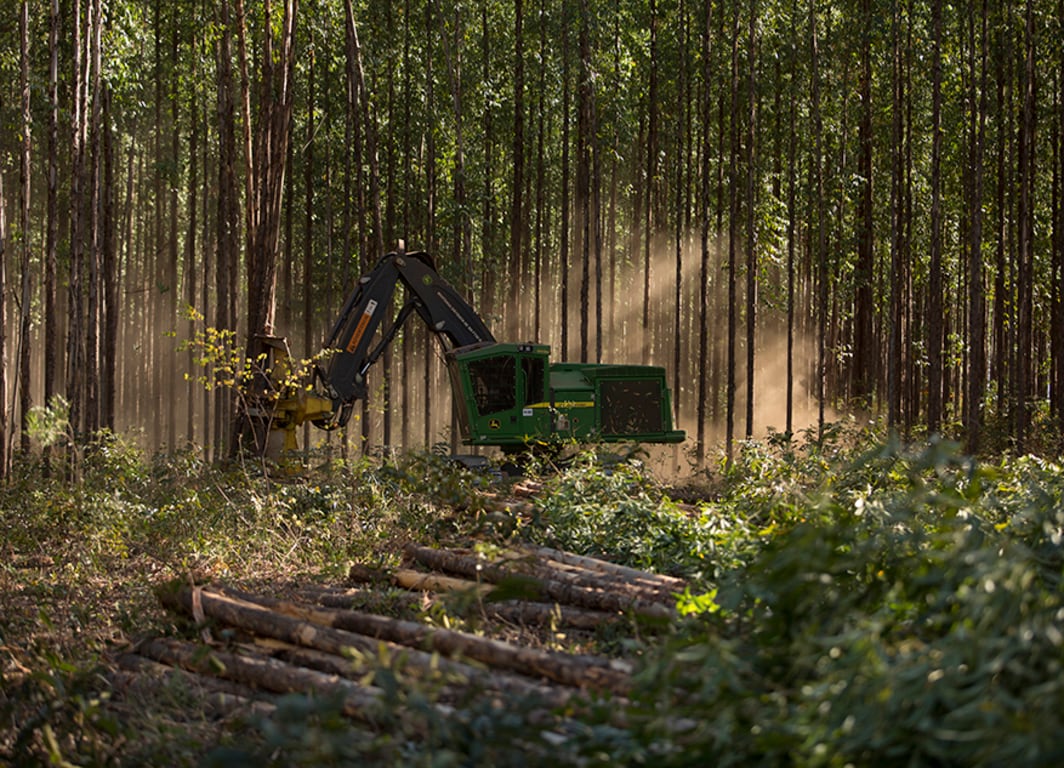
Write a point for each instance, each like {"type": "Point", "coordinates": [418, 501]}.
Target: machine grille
{"type": "Point", "coordinates": [631, 407]}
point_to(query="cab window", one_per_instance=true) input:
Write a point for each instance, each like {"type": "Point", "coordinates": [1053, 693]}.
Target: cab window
{"type": "Point", "coordinates": [494, 381]}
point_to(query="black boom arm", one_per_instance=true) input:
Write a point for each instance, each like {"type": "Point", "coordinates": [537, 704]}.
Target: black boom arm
{"type": "Point", "coordinates": [440, 306]}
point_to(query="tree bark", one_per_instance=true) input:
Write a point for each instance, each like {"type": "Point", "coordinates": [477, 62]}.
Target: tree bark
{"type": "Point", "coordinates": [751, 220]}
{"type": "Point", "coordinates": [1025, 224]}
{"type": "Point", "coordinates": [5, 458]}
{"type": "Point", "coordinates": [577, 594]}
{"type": "Point", "coordinates": [976, 297]}
{"type": "Point", "coordinates": [25, 248]}
{"type": "Point", "coordinates": [864, 352]}
{"type": "Point", "coordinates": [935, 307]}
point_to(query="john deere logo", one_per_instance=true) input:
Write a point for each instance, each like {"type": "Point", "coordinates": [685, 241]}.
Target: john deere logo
{"type": "Point", "coordinates": [426, 279]}
{"type": "Point", "coordinates": [494, 424]}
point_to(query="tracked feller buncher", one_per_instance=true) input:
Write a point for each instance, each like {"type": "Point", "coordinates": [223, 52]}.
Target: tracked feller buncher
{"type": "Point", "coordinates": [508, 395]}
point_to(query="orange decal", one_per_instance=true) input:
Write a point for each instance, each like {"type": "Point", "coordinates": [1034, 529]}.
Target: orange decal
{"type": "Point", "coordinates": [360, 329]}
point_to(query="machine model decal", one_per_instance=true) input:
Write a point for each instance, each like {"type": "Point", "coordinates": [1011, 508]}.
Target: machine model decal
{"type": "Point", "coordinates": [360, 329]}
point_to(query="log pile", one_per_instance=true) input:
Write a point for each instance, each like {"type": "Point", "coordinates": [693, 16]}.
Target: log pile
{"type": "Point", "coordinates": [253, 646]}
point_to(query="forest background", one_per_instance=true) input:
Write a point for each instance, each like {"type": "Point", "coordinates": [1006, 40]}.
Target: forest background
{"type": "Point", "coordinates": [799, 208]}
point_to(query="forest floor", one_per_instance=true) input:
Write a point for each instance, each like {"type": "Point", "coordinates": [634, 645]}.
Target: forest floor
{"type": "Point", "coordinates": [856, 602]}
{"type": "Point", "coordinates": [108, 657]}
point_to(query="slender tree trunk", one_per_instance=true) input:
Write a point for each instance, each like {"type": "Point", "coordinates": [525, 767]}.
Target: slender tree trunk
{"type": "Point", "coordinates": [5, 456]}
{"type": "Point", "coordinates": [308, 220]}
{"type": "Point", "coordinates": [517, 273]}
{"type": "Point", "coordinates": [109, 256]}
{"type": "Point", "coordinates": [25, 248]}
{"type": "Point", "coordinates": [584, 228]}
{"type": "Point", "coordinates": [650, 180]}
{"type": "Point", "coordinates": [563, 256]}
{"type": "Point", "coordinates": [1024, 255]}
{"type": "Point", "coordinates": [935, 307]}
{"type": "Point", "coordinates": [864, 369]}
{"type": "Point", "coordinates": [821, 219]}
{"type": "Point", "coordinates": [976, 298]}
{"type": "Point", "coordinates": [228, 219]}
{"type": "Point", "coordinates": [51, 248]}
{"type": "Point", "coordinates": [75, 323]}
{"type": "Point", "coordinates": [708, 89]}
{"type": "Point", "coordinates": [172, 293]}
{"type": "Point", "coordinates": [190, 250]}
{"type": "Point", "coordinates": [1057, 333]}
{"type": "Point", "coordinates": [733, 237]}
{"type": "Point", "coordinates": [792, 213]}
{"type": "Point", "coordinates": [894, 352]}
{"type": "Point", "coordinates": [751, 221]}
{"type": "Point", "coordinates": [92, 327]}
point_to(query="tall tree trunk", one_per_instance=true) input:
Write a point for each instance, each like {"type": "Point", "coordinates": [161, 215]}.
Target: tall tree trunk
{"type": "Point", "coordinates": [733, 237]}
{"type": "Point", "coordinates": [24, 241]}
{"type": "Point", "coordinates": [5, 456]}
{"type": "Point", "coordinates": [751, 221]}
{"type": "Point", "coordinates": [190, 250]}
{"type": "Point", "coordinates": [895, 345]}
{"type": "Point", "coordinates": [584, 229]}
{"type": "Point", "coordinates": [51, 247]}
{"type": "Point", "coordinates": [517, 239]}
{"type": "Point", "coordinates": [563, 256]}
{"type": "Point", "coordinates": [976, 297]}
{"type": "Point", "coordinates": [92, 327]}
{"type": "Point", "coordinates": [864, 353]}
{"type": "Point", "coordinates": [1024, 254]}
{"type": "Point", "coordinates": [308, 220]}
{"type": "Point", "coordinates": [821, 219]}
{"type": "Point", "coordinates": [172, 293]}
{"type": "Point", "coordinates": [650, 181]}
{"type": "Point", "coordinates": [109, 257]}
{"type": "Point", "coordinates": [708, 89]}
{"type": "Point", "coordinates": [935, 307]}
{"type": "Point", "coordinates": [228, 220]}
{"type": "Point", "coordinates": [1057, 333]}
{"type": "Point", "coordinates": [75, 322]}
{"type": "Point", "coordinates": [792, 213]}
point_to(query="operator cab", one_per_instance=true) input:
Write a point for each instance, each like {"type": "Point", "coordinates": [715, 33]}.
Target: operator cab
{"type": "Point", "coordinates": [501, 393]}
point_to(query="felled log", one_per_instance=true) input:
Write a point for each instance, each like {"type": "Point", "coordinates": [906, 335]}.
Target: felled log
{"type": "Point", "coordinates": [550, 570]}
{"type": "Point", "coordinates": [433, 582]}
{"type": "Point", "coordinates": [359, 702]}
{"type": "Point", "coordinates": [223, 696]}
{"type": "Point", "coordinates": [576, 671]}
{"type": "Point", "coordinates": [572, 594]}
{"type": "Point", "coordinates": [605, 566]}
{"type": "Point", "coordinates": [514, 611]}
{"type": "Point", "coordinates": [255, 617]}
{"type": "Point", "coordinates": [484, 680]}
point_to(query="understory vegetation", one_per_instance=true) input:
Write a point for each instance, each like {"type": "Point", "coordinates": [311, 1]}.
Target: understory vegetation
{"type": "Point", "coordinates": [852, 601]}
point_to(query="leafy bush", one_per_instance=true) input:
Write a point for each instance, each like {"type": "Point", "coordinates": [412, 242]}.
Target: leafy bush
{"type": "Point", "coordinates": [911, 617]}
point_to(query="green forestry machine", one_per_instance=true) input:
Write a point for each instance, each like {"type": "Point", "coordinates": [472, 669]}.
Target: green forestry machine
{"type": "Point", "coordinates": [505, 394]}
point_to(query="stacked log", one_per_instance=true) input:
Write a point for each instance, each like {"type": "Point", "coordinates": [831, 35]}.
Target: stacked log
{"type": "Point", "coordinates": [333, 640]}
{"type": "Point", "coordinates": [609, 591]}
